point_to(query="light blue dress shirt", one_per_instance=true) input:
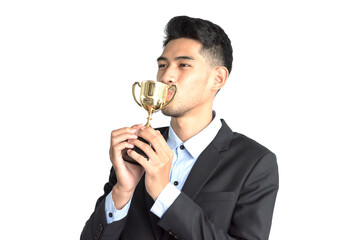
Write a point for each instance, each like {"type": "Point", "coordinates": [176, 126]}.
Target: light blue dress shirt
{"type": "Point", "coordinates": [185, 156]}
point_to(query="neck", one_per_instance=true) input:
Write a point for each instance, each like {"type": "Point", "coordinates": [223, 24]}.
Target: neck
{"type": "Point", "coordinates": [186, 127]}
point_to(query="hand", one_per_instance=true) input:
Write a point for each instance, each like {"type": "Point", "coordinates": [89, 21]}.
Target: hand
{"type": "Point", "coordinates": [158, 166]}
{"type": "Point", "coordinates": [128, 175]}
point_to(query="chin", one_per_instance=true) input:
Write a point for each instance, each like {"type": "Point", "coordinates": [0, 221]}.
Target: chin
{"type": "Point", "coordinates": [166, 112]}
{"type": "Point", "coordinates": [171, 112]}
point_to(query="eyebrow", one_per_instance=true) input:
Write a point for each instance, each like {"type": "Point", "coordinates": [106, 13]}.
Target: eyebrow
{"type": "Point", "coordinates": [177, 58]}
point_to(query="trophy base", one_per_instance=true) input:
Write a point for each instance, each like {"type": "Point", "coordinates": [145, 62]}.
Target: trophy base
{"type": "Point", "coordinates": [128, 159]}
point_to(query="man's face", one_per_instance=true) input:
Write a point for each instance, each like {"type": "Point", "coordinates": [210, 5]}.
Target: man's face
{"type": "Point", "coordinates": [182, 64]}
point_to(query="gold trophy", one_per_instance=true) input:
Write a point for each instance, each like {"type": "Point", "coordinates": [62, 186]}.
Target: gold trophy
{"type": "Point", "coordinates": [153, 96]}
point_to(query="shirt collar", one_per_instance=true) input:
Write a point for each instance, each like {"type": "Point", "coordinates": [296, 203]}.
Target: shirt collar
{"type": "Point", "coordinates": [196, 144]}
{"type": "Point", "coordinates": [173, 140]}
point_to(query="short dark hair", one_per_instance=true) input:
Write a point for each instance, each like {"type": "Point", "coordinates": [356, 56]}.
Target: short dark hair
{"type": "Point", "coordinates": [215, 43]}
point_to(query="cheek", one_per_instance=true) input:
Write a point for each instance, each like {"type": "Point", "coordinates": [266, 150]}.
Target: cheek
{"type": "Point", "coordinates": [158, 76]}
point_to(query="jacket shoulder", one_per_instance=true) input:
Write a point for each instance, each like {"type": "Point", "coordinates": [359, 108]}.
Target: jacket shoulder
{"type": "Point", "coordinates": [227, 139]}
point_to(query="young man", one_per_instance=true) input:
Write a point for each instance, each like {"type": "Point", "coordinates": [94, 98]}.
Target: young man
{"type": "Point", "coordinates": [202, 181]}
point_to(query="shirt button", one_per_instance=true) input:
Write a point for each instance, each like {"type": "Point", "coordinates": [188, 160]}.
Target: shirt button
{"type": "Point", "coordinates": [176, 183]}
{"type": "Point", "coordinates": [182, 147]}
{"type": "Point", "coordinates": [110, 215]}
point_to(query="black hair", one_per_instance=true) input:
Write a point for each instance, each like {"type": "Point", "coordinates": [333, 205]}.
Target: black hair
{"type": "Point", "coordinates": [215, 43]}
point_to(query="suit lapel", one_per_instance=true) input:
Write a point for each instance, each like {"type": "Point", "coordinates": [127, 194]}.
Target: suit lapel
{"type": "Point", "coordinates": [207, 163]}
{"type": "Point", "coordinates": [203, 169]}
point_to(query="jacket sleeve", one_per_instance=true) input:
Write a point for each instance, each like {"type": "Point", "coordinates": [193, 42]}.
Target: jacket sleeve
{"type": "Point", "coordinates": [252, 216]}
{"type": "Point", "coordinates": [96, 227]}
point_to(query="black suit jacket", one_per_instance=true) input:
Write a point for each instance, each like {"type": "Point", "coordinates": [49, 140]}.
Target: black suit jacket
{"type": "Point", "coordinates": [229, 194]}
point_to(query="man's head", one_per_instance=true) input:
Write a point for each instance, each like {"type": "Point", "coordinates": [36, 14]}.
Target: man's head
{"type": "Point", "coordinates": [197, 58]}
{"type": "Point", "coordinates": [216, 45]}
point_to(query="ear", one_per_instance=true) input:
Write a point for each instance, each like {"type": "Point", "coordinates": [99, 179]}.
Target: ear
{"type": "Point", "coordinates": [220, 76]}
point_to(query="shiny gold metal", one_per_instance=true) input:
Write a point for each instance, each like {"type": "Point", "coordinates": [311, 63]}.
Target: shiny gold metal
{"type": "Point", "coordinates": [153, 96]}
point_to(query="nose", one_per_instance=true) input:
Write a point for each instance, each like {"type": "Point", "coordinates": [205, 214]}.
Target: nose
{"type": "Point", "coordinates": [167, 76]}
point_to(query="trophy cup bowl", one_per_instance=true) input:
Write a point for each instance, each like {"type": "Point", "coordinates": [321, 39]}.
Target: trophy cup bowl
{"type": "Point", "coordinates": [153, 96]}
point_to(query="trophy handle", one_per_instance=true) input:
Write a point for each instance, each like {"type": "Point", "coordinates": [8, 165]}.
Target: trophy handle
{"type": "Point", "coordinates": [133, 92]}
{"type": "Point", "coordinates": [175, 89]}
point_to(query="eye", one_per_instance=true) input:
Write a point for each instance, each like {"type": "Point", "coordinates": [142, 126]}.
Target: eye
{"type": "Point", "coordinates": [162, 65]}
{"type": "Point", "coordinates": [184, 65]}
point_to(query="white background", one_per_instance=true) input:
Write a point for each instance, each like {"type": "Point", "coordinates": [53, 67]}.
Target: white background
{"type": "Point", "coordinates": [66, 70]}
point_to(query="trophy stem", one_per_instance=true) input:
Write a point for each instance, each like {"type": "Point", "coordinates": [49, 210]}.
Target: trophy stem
{"type": "Point", "coordinates": [150, 112]}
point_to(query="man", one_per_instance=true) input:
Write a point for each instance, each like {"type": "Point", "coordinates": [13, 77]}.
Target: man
{"type": "Point", "coordinates": [201, 181]}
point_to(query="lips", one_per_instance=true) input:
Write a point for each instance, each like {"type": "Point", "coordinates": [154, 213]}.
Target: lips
{"type": "Point", "coordinates": [169, 95]}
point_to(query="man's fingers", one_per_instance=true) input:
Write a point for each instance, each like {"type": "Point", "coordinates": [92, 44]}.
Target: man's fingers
{"type": "Point", "coordinates": [157, 142]}
{"type": "Point", "coordinates": [123, 137]}
{"type": "Point", "coordinates": [137, 157]}
{"type": "Point", "coordinates": [152, 136]}
{"type": "Point", "coordinates": [121, 146]}
{"type": "Point", "coordinates": [120, 131]}
{"type": "Point", "coordinates": [137, 126]}
{"type": "Point", "coordinates": [145, 147]}
{"type": "Point", "coordinates": [124, 130]}
{"type": "Point", "coordinates": [123, 134]}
